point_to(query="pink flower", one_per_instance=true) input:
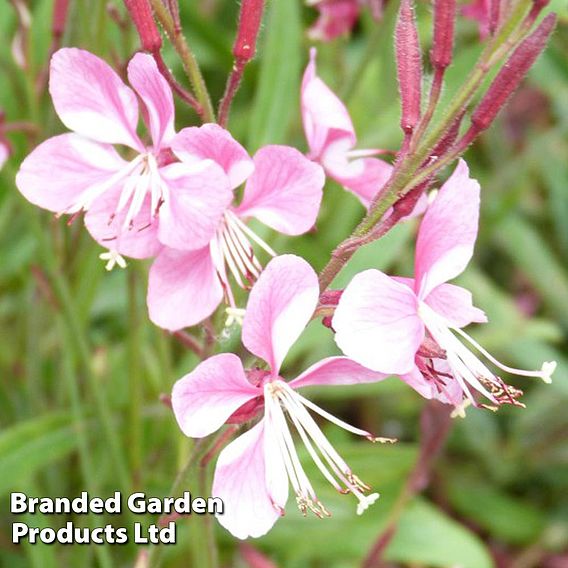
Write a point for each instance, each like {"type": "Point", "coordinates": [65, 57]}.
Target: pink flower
{"type": "Point", "coordinates": [336, 18]}
{"type": "Point", "coordinates": [412, 327]}
{"type": "Point", "coordinates": [331, 139]}
{"type": "Point", "coordinates": [253, 472]}
{"type": "Point", "coordinates": [283, 190]}
{"type": "Point", "coordinates": [132, 206]}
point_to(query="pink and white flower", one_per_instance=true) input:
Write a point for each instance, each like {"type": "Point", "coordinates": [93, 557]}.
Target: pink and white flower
{"type": "Point", "coordinates": [254, 471]}
{"type": "Point", "coordinates": [283, 190]}
{"type": "Point", "coordinates": [331, 139]}
{"type": "Point", "coordinates": [413, 326]}
{"type": "Point", "coordinates": [133, 206]}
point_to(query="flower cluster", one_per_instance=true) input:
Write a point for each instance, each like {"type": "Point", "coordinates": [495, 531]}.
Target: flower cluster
{"type": "Point", "coordinates": [174, 197]}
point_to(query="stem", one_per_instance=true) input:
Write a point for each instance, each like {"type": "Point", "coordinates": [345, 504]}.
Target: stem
{"type": "Point", "coordinates": [435, 91]}
{"type": "Point", "coordinates": [86, 465]}
{"type": "Point", "coordinates": [203, 450]}
{"type": "Point", "coordinates": [404, 176]}
{"type": "Point", "coordinates": [182, 93]}
{"type": "Point", "coordinates": [187, 57]}
{"type": "Point", "coordinates": [233, 83]}
{"type": "Point", "coordinates": [190, 342]}
{"type": "Point", "coordinates": [435, 425]}
{"type": "Point", "coordinates": [134, 380]}
{"type": "Point", "coordinates": [78, 342]}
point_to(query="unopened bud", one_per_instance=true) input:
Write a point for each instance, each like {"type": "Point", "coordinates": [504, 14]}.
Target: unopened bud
{"type": "Point", "coordinates": [60, 10]}
{"type": "Point", "coordinates": [444, 24]}
{"type": "Point", "coordinates": [511, 74]}
{"type": "Point", "coordinates": [142, 17]}
{"type": "Point", "coordinates": [408, 66]}
{"type": "Point", "coordinates": [250, 17]}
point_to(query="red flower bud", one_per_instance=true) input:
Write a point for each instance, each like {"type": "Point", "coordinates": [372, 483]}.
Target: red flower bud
{"type": "Point", "coordinates": [247, 33]}
{"type": "Point", "coordinates": [141, 14]}
{"type": "Point", "coordinates": [494, 15]}
{"type": "Point", "coordinates": [60, 10]}
{"type": "Point", "coordinates": [408, 66]}
{"type": "Point", "coordinates": [511, 74]}
{"type": "Point", "coordinates": [443, 42]}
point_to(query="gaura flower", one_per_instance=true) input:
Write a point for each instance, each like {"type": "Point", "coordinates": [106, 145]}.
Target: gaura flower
{"type": "Point", "coordinates": [253, 472]}
{"type": "Point", "coordinates": [413, 326]}
{"type": "Point", "coordinates": [336, 18]}
{"type": "Point", "coordinates": [283, 190]}
{"type": "Point", "coordinates": [133, 206]}
{"type": "Point", "coordinates": [331, 139]}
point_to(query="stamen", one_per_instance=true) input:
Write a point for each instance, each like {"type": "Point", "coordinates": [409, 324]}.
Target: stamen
{"type": "Point", "coordinates": [467, 368]}
{"type": "Point", "coordinates": [279, 397]}
{"type": "Point", "coordinates": [113, 258]}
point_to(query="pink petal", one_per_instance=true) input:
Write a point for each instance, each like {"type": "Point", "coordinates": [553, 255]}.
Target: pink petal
{"type": "Point", "coordinates": [198, 195]}
{"type": "Point", "coordinates": [183, 288]}
{"type": "Point", "coordinates": [455, 304]}
{"type": "Point", "coordinates": [251, 481]}
{"type": "Point", "coordinates": [448, 231]}
{"type": "Point", "coordinates": [204, 399]}
{"type": "Point", "coordinates": [323, 113]}
{"type": "Point", "coordinates": [210, 141]}
{"type": "Point", "coordinates": [364, 177]}
{"type": "Point", "coordinates": [280, 305]}
{"type": "Point", "coordinates": [91, 99]}
{"type": "Point", "coordinates": [60, 169]}
{"type": "Point", "coordinates": [4, 153]}
{"type": "Point", "coordinates": [156, 95]}
{"type": "Point", "coordinates": [136, 240]}
{"type": "Point", "coordinates": [336, 371]}
{"type": "Point", "coordinates": [377, 324]}
{"type": "Point", "coordinates": [337, 18]}
{"type": "Point", "coordinates": [285, 190]}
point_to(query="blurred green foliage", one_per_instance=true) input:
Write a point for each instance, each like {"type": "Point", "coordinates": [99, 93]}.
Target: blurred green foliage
{"type": "Point", "coordinates": [74, 337]}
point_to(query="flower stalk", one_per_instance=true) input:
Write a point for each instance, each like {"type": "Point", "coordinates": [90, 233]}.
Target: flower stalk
{"type": "Point", "coordinates": [189, 62]}
{"type": "Point", "coordinates": [244, 50]}
{"type": "Point", "coordinates": [411, 170]}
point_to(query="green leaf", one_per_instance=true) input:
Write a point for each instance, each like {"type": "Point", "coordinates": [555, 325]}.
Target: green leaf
{"type": "Point", "coordinates": [539, 265]}
{"type": "Point", "coordinates": [32, 445]}
{"type": "Point", "coordinates": [504, 517]}
{"type": "Point", "coordinates": [276, 102]}
{"type": "Point", "coordinates": [427, 536]}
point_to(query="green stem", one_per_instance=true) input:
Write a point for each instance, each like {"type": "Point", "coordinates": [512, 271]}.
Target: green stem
{"type": "Point", "coordinates": [85, 463]}
{"type": "Point", "coordinates": [134, 379]}
{"type": "Point", "coordinates": [78, 343]}
{"type": "Point", "coordinates": [405, 177]}
{"type": "Point", "coordinates": [187, 57]}
{"type": "Point", "coordinates": [153, 559]}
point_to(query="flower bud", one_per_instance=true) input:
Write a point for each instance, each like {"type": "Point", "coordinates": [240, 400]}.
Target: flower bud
{"type": "Point", "coordinates": [142, 17]}
{"type": "Point", "coordinates": [408, 66]}
{"type": "Point", "coordinates": [250, 17]}
{"type": "Point", "coordinates": [60, 10]}
{"type": "Point", "coordinates": [443, 42]}
{"type": "Point", "coordinates": [511, 74]}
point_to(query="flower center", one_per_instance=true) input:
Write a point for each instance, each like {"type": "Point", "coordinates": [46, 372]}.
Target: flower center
{"type": "Point", "coordinates": [281, 399]}
{"type": "Point", "coordinates": [468, 369]}
{"type": "Point", "coordinates": [137, 178]}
